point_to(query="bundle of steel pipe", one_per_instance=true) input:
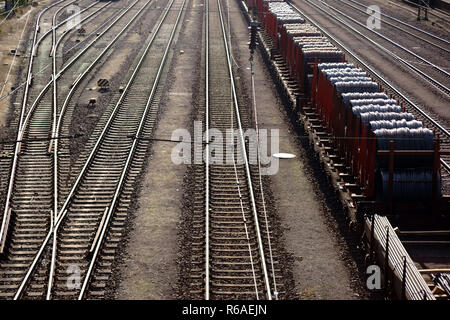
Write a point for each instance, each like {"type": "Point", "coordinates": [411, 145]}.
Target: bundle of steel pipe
{"type": "Point", "coordinates": [391, 124]}
{"type": "Point", "coordinates": [405, 138]}
{"type": "Point", "coordinates": [376, 108]}
{"type": "Point", "coordinates": [356, 86]}
{"type": "Point", "coordinates": [378, 101]}
{"type": "Point", "coordinates": [347, 97]}
{"type": "Point", "coordinates": [372, 116]}
{"type": "Point", "coordinates": [416, 183]}
{"type": "Point", "coordinates": [415, 286]}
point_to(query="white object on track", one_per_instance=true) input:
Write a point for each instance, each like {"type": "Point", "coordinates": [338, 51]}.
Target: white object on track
{"type": "Point", "coordinates": [284, 155]}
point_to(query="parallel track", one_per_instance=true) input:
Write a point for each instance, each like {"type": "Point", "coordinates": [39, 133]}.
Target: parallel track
{"type": "Point", "coordinates": [33, 219]}
{"type": "Point", "coordinates": [88, 226]}
{"type": "Point", "coordinates": [31, 168]}
{"type": "Point", "coordinates": [421, 35]}
{"type": "Point", "coordinates": [39, 71]}
{"type": "Point", "coordinates": [229, 253]}
{"type": "Point", "coordinates": [430, 75]}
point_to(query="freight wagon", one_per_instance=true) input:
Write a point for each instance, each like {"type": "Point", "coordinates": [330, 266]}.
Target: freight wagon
{"type": "Point", "coordinates": [392, 156]}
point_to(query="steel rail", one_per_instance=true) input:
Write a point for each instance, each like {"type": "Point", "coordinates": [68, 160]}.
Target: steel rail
{"type": "Point", "coordinates": [57, 25]}
{"type": "Point", "coordinates": [81, 21]}
{"type": "Point", "coordinates": [397, 27]}
{"type": "Point", "coordinates": [55, 98]}
{"type": "Point", "coordinates": [64, 69]}
{"type": "Point", "coordinates": [207, 289]}
{"type": "Point", "coordinates": [78, 180]}
{"type": "Point", "coordinates": [244, 152]}
{"type": "Point", "coordinates": [378, 76]}
{"type": "Point", "coordinates": [54, 128]}
{"type": "Point", "coordinates": [258, 151]}
{"type": "Point", "coordinates": [22, 112]}
{"type": "Point", "coordinates": [241, 202]}
{"type": "Point", "coordinates": [46, 240]}
{"type": "Point", "coordinates": [41, 70]}
{"type": "Point", "coordinates": [22, 122]}
{"type": "Point", "coordinates": [207, 163]}
{"type": "Point", "coordinates": [59, 123]}
{"type": "Point", "coordinates": [405, 24]}
{"type": "Point", "coordinates": [133, 147]}
{"type": "Point", "coordinates": [435, 82]}
{"type": "Point", "coordinates": [416, 287]}
{"type": "Point", "coordinates": [55, 45]}
{"type": "Point", "coordinates": [63, 210]}
{"type": "Point", "coordinates": [429, 12]}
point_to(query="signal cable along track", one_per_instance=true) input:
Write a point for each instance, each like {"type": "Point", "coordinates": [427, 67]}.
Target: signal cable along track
{"type": "Point", "coordinates": [228, 255]}
{"type": "Point", "coordinates": [410, 106]}
{"type": "Point", "coordinates": [32, 215]}
{"type": "Point", "coordinates": [82, 236]}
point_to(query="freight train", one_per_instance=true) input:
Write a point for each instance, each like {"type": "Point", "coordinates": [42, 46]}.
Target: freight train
{"type": "Point", "coordinates": [392, 155]}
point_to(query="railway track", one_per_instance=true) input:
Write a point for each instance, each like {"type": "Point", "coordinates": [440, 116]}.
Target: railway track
{"type": "Point", "coordinates": [434, 74]}
{"type": "Point", "coordinates": [87, 228]}
{"type": "Point", "coordinates": [417, 33]}
{"type": "Point", "coordinates": [39, 71]}
{"type": "Point", "coordinates": [8, 150]}
{"type": "Point", "coordinates": [230, 257]}
{"type": "Point", "coordinates": [424, 237]}
{"type": "Point", "coordinates": [32, 219]}
{"type": "Point", "coordinates": [438, 13]}
{"type": "Point", "coordinates": [441, 130]}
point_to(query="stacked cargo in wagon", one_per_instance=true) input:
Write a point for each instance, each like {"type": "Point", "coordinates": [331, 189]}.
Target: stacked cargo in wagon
{"type": "Point", "coordinates": [275, 14]}
{"type": "Point", "coordinates": [300, 44]}
{"type": "Point", "coordinates": [363, 121]}
{"type": "Point", "coordinates": [367, 127]}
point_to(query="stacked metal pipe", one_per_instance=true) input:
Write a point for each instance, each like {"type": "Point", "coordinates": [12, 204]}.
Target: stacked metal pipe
{"type": "Point", "coordinates": [284, 13]}
{"type": "Point", "coordinates": [368, 117]}
{"type": "Point", "coordinates": [377, 101]}
{"type": "Point", "coordinates": [374, 112]}
{"type": "Point", "coordinates": [356, 86]}
{"type": "Point", "coordinates": [376, 108]}
{"type": "Point", "coordinates": [347, 97]}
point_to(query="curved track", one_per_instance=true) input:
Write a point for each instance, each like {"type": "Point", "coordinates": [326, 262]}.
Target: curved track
{"type": "Point", "coordinates": [85, 229]}
{"type": "Point", "coordinates": [32, 217]}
